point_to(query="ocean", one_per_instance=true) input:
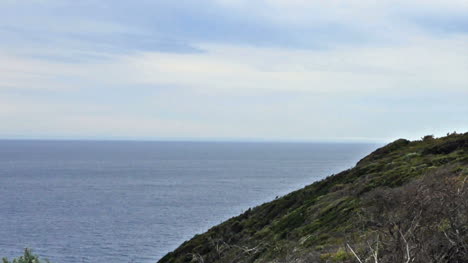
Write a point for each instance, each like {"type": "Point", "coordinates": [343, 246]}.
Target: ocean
{"type": "Point", "coordinates": [132, 201]}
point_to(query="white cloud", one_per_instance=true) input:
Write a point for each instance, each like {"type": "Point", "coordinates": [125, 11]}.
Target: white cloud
{"type": "Point", "coordinates": [237, 89]}
{"type": "Point", "coordinates": [354, 11]}
{"type": "Point", "coordinates": [424, 63]}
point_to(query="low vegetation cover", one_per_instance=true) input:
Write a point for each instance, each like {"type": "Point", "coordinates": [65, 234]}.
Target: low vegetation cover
{"type": "Point", "coordinates": [405, 202]}
{"type": "Point", "coordinates": [28, 257]}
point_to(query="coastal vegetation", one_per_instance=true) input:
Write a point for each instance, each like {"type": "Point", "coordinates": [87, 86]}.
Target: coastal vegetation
{"type": "Point", "coordinates": [28, 257]}
{"type": "Point", "coordinates": [405, 202]}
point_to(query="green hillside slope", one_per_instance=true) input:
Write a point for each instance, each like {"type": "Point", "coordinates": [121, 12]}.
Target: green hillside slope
{"type": "Point", "coordinates": [405, 202]}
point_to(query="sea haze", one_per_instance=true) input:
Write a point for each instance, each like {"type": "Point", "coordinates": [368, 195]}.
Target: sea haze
{"type": "Point", "coordinates": [103, 201]}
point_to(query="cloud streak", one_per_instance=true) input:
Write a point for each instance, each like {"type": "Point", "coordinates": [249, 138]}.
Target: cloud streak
{"type": "Point", "coordinates": [223, 69]}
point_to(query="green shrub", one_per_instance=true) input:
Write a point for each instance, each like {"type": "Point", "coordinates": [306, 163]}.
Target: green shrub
{"type": "Point", "coordinates": [28, 257]}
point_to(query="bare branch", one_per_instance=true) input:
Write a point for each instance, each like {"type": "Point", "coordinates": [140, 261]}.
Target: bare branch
{"type": "Point", "coordinates": [407, 247]}
{"type": "Point", "coordinates": [354, 253]}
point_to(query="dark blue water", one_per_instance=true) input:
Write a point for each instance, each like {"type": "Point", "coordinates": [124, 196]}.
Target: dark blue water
{"type": "Point", "coordinates": [77, 201]}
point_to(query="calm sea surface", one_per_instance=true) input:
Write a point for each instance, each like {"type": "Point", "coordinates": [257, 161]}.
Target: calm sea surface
{"type": "Point", "coordinates": [84, 201]}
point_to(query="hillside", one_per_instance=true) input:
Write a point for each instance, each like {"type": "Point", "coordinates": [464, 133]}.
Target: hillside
{"type": "Point", "coordinates": [405, 202]}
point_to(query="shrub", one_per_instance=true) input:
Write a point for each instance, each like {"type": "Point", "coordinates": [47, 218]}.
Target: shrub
{"type": "Point", "coordinates": [28, 257]}
{"type": "Point", "coordinates": [423, 221]}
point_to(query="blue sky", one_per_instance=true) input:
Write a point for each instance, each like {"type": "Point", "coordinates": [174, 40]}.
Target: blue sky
{"type": "Point", "coordinates": [224, 69]}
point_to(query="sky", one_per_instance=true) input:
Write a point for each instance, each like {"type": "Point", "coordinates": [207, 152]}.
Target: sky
{"type": "Point", "coordinates": [287, 70]}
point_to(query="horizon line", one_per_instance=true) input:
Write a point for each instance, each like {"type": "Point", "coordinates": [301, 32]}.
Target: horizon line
{"type": "Point", "coordinates": [196, 139]}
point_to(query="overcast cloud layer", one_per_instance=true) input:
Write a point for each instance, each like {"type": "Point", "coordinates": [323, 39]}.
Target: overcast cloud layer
{"type": "Point", "coordinates": [233, 69]}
